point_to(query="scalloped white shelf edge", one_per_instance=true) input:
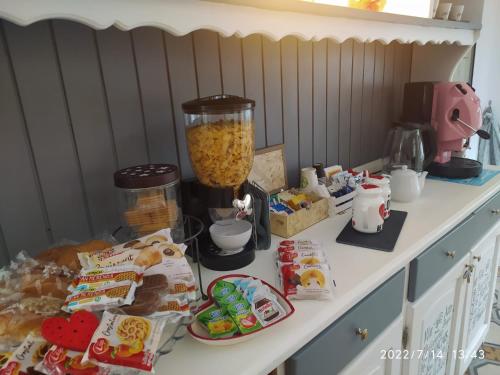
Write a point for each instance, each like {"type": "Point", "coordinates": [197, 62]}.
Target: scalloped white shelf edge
{"type": "Point", "coordinates": [180, 17]}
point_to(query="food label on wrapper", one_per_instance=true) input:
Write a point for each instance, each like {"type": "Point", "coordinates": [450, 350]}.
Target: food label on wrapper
{"type": "Point", "coordinates": [305, 281]}
{"type": "Point", "coordinates": [98, 278]}
{"type": "Point", "coordinates": [145, 252]}
{"type": "Point", "coordinates": [26, 356]}
{"type": "Point", "coordinates": [59, 361]}
{"type": "Point", "coordinates": [125, 340]}
{"type": "Point", "coordinates": [94, 300]}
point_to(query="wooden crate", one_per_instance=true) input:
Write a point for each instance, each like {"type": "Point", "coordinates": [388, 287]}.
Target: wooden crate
{"type": "Point", "coordinates": [289, 225]}
{"type": "Point", "coordinates": [269, 171]}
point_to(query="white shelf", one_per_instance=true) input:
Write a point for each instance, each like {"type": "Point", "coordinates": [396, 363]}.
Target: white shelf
{"type": "Point", "coordinates": [273, 18]}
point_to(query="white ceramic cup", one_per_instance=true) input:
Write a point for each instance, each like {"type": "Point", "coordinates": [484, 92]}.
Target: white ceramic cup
{"type": "Point", "coordinates": [456, 12]}
{"type": "Point", "coordinates": [443, 11]}
{"type": "Point", "coordinates": [308, 178]}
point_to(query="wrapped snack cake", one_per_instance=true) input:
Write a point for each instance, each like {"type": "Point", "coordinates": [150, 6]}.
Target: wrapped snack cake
{"type": "Point", "coordinates": [126, 341]}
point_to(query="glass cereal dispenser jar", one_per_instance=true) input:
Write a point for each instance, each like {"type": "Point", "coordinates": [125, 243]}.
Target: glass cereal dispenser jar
{"type": "Point", "coordinates": [220, 139]}
{"type": "Point", "coordinates": [150, 199]}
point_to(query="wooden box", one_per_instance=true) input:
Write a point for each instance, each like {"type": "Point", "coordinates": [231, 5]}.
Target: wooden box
{"type": "Point", "coordinates": [269, 171]}
{"type": "Point", "coordinates": [289, 225]}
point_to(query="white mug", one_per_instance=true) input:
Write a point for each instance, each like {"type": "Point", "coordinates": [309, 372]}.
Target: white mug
{"type": "Point", "coordinates": [456, 12]}
{"type": "Point", "coordinates": [385, 184]}
{"type": "Point", "coordinates": [308, 178]}
{"type": "Point", "coordinates": [443, 11]}
{"type": "Point", "coordinates": [368, 209]}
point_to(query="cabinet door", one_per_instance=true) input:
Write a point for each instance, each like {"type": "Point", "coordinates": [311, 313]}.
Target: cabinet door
{"type": "Point", "coordinates": [433, 323]}
{"type": "Point", "coordinates": [382, 356]}
{"type": "Point", "coordinates": [478, 301]}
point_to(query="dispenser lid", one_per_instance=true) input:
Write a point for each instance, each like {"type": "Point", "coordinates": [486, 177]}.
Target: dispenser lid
{"type": "Point", "coordinates": [218, 104]}
{"type": "Point", "coordinates": [146, 176]}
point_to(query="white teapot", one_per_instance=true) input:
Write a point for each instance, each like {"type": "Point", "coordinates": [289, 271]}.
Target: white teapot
{"type": "Point", "coordinates": [406, 184]}
{"type": "Point", "coordinates": [368, 209]}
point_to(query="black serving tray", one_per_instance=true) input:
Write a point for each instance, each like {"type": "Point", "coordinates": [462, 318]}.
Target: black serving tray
{"type": "Point", "coordinates": [383, 241]}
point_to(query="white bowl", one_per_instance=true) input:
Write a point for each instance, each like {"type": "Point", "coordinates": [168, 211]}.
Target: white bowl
{"type": "Point", "coordinates": [232, 236]}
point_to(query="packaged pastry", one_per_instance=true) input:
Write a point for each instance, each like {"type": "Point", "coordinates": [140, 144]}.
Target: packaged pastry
{"type": "Point", "coordinates": [154, 283]}
{"type": "Point", "coordinates": [166, 268]}
{"type": "Point", "coordinates": [59, 361]}
{"type": "Point", "coordinates": [217, 322]}
{"type": "Point", "coordinates": [302, 256]}
{"type": "Point", "coordinates": [145, 303]}
{"type": "Point", "coordinates": [35, 279]}
{"type": "Point", "coordinates": [115, 295]}
{"type": "Point", "coordinates": [125, 340]}
{"type": "Point", "coordinates": [46, 306]}
{"type": "Point", "coordinates": [241, 313]}
{"type": "Point", "coordinates": [67, 255]}
{"type": "Point", "coordinates": [16, 324]}
{"type": "Point", "coordinates": [180, 277]}
{"type": "Point", "coordinates": [38, 285]}
{"type": "Point", "coordinates": [26, 356]}
{"type": "Point", "coordinates": [173, 306]}
{"type": "Point", "coordinates": [305, 281]}
{"type": "Point", "coordinates": [98, 278]}
{"type": "Point", "coordinates": [144, 252]}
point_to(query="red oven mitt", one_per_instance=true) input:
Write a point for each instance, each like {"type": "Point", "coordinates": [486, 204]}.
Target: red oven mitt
{"type": "Point", "coordinates": [72, 334]}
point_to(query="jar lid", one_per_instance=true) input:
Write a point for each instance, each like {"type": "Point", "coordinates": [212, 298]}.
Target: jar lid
{"type": "Point", "coordinates": [146, 176]}
{"type": "Point", "coordinates": [218, 104]}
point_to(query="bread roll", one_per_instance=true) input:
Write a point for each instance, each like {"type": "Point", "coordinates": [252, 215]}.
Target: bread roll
{"type": "Point", "coordinates": [67, 255]}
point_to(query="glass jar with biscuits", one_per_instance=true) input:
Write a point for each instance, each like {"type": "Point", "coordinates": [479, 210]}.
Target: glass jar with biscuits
{"type": "Point", "coordinates": [220, 139]}
{"type": "Point", "coordinates": [150, 199]}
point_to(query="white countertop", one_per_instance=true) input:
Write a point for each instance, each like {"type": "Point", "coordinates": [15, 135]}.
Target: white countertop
{"type": "Point", "coordinates": [357, 271]}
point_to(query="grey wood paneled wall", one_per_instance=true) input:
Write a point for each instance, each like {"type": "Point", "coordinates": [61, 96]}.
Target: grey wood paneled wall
{"type": "Point", "coordinates": [77, 104]}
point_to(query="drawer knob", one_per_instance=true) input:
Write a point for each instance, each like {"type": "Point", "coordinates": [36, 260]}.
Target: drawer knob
{"type": "Point", "coordinates": [496, 211]}
{"type": "Point", "coordinates": [363, 333]}
{"type": "Point", "coordinates": [477, 257]}
{"type": "Point", "coordinates": [451, 254]}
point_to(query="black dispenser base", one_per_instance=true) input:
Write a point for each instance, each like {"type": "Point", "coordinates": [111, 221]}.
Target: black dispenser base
{"type": "Point", "coordinates": [211, 259]}
{"type": "Point", "coordinates": [456, 168]}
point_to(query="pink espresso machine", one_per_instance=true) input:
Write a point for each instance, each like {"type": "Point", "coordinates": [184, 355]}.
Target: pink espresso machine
{"type": "Point", "coordinates": [453, 112]}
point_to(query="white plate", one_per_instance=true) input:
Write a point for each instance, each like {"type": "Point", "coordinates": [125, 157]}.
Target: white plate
{"type": "Point", "coordinates": [199, 333]}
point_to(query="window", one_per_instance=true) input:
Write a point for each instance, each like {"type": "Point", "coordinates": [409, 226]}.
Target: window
{"type": "Point", "coordinates": [417, 8]}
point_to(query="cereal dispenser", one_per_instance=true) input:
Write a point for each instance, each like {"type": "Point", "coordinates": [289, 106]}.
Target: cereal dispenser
{"type": "Point", "coordinates": [220, 139]}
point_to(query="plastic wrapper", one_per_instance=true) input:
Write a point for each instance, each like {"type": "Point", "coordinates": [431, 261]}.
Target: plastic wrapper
{"type": "Point", "coordinates": [28, 294]}
{"type": "Point", "coordinates": [304, 281]}
{"type": "Point", "coordinates": [125, 341]}
{"type": "Point", "coordinates": [302, 256]}
{"type": "Point", "coordinates": [26, 356]}
{"type": "Point", "coordinates": [114, 295]}
{"type": "Point", "coordinates": [60, 361]}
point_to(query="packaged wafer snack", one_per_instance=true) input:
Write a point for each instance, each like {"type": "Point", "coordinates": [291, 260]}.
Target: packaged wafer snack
{"type": "Point", "coordinates": [126, 341]}
{"type": "Point", "coordinates": [97, 278]}
{"type": "Point", "coordinates": [115, 295]}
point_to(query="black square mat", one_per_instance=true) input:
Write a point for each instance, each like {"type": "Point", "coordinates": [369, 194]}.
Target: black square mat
{"type": "Point", "coordinates": [384, 241]}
